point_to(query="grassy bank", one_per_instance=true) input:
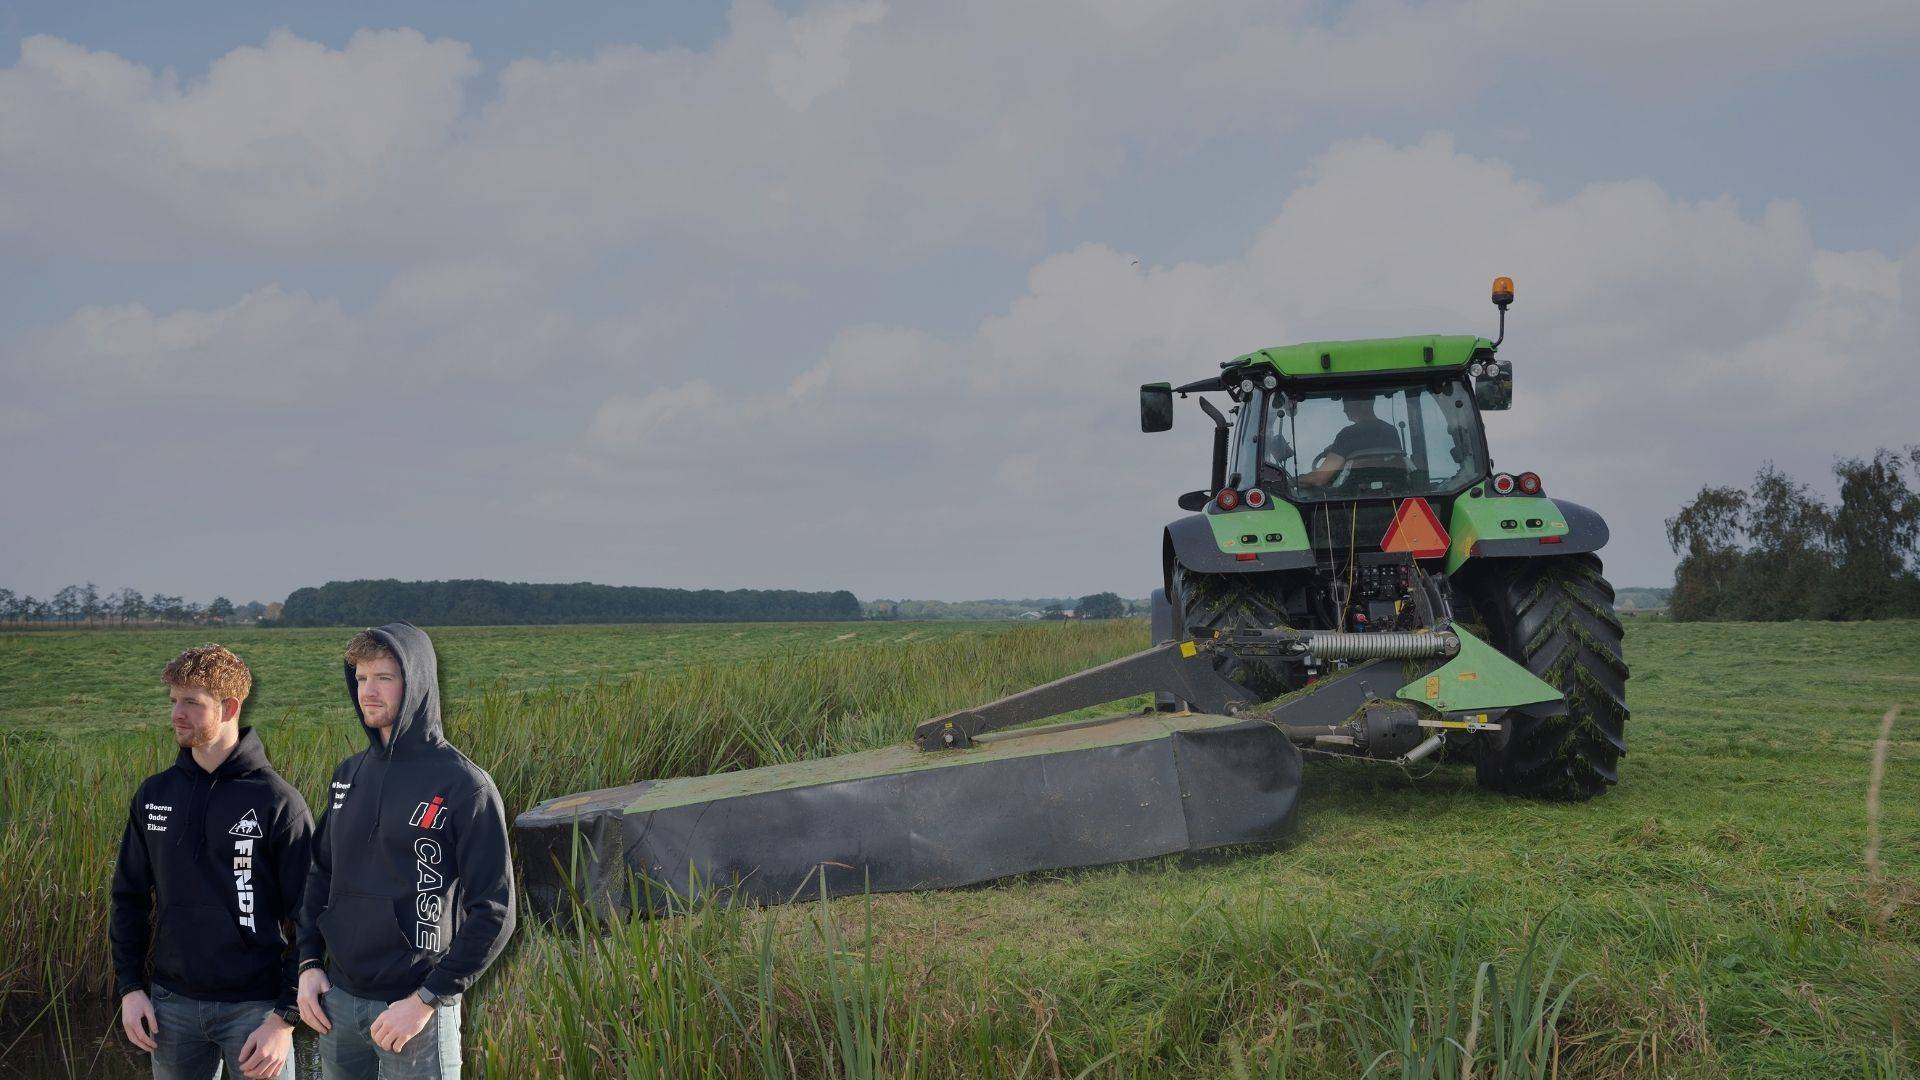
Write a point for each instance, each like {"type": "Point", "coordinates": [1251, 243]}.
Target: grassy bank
{"type": "Point", "coordinates": [1711, 916]}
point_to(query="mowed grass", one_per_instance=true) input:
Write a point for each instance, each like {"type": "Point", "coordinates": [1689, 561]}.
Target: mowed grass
{"type": "Point", "coordinates": [1711, 916]}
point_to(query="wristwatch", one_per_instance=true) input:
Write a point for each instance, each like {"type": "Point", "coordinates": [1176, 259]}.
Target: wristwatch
{"type": "Point", "coordinates": [427, 996]}
{"type": "Point", "coordinates": [291, 1014]}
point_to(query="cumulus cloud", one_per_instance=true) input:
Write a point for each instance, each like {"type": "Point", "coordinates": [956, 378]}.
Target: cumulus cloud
{"type": "Point", "coordinates": [430, 326]}
{"type": "Point", "coordinates": [850, 124]}
{"type": "Point", "coordinates": [1658, 341]}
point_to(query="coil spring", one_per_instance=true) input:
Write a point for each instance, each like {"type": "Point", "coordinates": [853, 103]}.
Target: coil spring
{"type": "Point", "coordinates": [1396, 645]}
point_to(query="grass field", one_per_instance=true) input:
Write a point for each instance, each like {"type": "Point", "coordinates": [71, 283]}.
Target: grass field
{"type": "Point", "coordinates": [63, 681]}
{"type": "Point", "coordinates": [1712, 916]}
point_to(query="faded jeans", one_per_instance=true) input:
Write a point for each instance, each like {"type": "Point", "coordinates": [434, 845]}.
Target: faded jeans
{"type": "Point", "coordinates": [197, 1038]}
{"type": "Point", "coordinates": [347, 1052]}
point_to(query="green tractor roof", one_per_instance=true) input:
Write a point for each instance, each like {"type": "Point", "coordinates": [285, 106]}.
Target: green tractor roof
{"type": "Point", "coordinates": [1316, 358]}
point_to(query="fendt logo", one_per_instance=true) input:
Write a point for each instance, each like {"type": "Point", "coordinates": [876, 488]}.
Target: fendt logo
{"type": "Point", "coordinates": [243, 875]}
{"type": "Point", "coordinates": [430, 814]}
{"type": "Point", "coordinates": [247, 826]}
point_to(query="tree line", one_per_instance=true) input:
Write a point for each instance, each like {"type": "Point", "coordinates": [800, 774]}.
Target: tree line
{"type": "Point", "coordinates": [1104, 605]}
{"type": "Point", "coordinates": [1777, 551]}
{"type": "Point", "coordinates": [88, 605]}
{"type": "Point", "coordinates": [488, 603]}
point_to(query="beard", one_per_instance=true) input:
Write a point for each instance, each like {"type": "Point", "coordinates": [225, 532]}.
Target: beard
{"type": "Point", "coordinates": [195, 737]}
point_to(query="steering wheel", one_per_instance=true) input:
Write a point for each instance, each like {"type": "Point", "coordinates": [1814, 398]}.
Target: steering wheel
{"type": "Point", "coordinates": [1370, 461]}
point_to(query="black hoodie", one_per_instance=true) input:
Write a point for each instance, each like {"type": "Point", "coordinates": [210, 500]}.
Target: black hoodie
{"type": "Point", "coordinates": [411, 884]}
{"type": "Point", "coordinates": [225, 853]}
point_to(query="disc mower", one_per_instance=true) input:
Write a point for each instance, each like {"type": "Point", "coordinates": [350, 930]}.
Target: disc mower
{"type": "Point", "coordinates": [1356, 578]}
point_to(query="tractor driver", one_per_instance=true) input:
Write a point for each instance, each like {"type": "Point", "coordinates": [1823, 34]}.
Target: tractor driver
{"type": "Point", "coordinates": [1365, 433]}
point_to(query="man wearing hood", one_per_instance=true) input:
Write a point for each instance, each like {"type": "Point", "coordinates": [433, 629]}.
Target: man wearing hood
{"type": "Point", "coordinates": [222, 843]}
{"type": "Point", "coordinates": [411, 892]}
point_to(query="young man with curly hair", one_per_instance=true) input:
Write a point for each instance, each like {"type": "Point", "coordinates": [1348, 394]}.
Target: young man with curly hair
{"type": "Point", "coordinates": [222, 843]}
{"type": "Point", "coordinates": [411, 893]}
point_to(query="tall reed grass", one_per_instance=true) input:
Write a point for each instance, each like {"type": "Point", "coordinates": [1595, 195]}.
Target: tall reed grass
{"type": "Point", "coordinates": [63, 803]}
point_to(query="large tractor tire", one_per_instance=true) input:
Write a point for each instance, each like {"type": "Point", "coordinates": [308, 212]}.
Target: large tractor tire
{"type": "Point", "coordinates": [1555, 616]}
{"type": "Point", "coordinates": [1203, 602]}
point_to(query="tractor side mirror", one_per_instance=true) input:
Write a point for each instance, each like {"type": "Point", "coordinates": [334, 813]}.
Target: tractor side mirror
{"type": "Point", "coordinates": [1493, 391]}
{"type": "Point", "coordinates": [1156, 406]}
{"type": "Point", "coordinates": [1194, 501]}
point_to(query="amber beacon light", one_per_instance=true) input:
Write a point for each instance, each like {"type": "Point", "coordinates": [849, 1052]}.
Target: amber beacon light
{"type": "Point", "coordinates": [1502, 291]}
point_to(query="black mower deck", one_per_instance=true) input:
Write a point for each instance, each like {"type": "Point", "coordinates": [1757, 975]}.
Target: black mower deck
{"type": "Point", "coordinates": [1066, 795]}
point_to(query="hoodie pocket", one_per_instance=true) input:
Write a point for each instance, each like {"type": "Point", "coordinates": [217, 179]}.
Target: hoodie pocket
{"type": "Point", "coordinates": [366, 942]}
{"type": "Point", "coordinates": [198, 948]}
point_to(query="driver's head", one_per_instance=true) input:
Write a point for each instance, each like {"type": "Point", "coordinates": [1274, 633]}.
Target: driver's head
{"type": "Point", "coordinates": [1358, 406]}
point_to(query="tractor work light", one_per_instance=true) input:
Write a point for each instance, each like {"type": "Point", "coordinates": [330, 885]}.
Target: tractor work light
{"type": "Point", "coordinates": [1503, 483]}
{"type": "Point", "coordinates": [1256, 498]}
{"type": "Point", "coordinates": [1529, 483]}
{"type": "Point", "coordinates": [1227, 499]}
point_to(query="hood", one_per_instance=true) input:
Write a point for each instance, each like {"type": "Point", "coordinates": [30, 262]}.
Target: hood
{"type": "Point", "coordinates": [247, 755]}
{"type": "Point", "coordinates": [419, 722]}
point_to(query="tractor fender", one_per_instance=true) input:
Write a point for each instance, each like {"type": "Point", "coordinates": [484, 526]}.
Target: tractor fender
{"type": "Point", "coordinates": [1189, 542]}
{"type": "Point", "coordinates": [1160, 617]}
{"type": "Point", "coordinates": [1586, 531]}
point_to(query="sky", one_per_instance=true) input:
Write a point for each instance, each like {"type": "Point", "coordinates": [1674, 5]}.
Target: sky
{"type": "Point", "coordinates": [858, 294]}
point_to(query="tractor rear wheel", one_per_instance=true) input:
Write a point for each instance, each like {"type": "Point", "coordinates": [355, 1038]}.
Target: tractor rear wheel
{"type": "Point", "coordinates": [1203, 602]}
{"type": "Point", "coordinates": [1554, 615]}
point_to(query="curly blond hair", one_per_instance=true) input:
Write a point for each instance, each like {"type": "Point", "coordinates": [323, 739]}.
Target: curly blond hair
{"type": "Point", "coordinates": [212, 668]}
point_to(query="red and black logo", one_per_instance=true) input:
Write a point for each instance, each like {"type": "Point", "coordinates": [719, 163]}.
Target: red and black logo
{"type": "Point", "coordinates": [430, 814]}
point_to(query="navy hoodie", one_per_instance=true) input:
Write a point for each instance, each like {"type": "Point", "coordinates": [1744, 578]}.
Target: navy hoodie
{"type": "Point", "coordinates": [411, 884]}
{"type": "Point", "coordinates": [225, 855]}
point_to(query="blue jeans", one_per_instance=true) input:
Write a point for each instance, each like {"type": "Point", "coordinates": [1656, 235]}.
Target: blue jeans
{"type": "Point", "coordinates": [347, 1052]}
{"type": "Point", "coordinates": [198, 1037]}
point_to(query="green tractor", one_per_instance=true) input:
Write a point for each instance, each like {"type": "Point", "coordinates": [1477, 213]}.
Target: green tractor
{"type": "Point", "coordinates": [1355, 579]}
{"type": "Point", "coordinates": [1352, 477]}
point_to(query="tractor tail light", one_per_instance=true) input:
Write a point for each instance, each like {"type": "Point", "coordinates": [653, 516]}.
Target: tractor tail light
{"type": "Point", "coordinates": [1529, 483]}
{"type": "Point", "coordinates": [1256, 498]}
{"type": "Point", "coordinates": [1503, 483]}
{"type": "Point", "coordinates": [1227, 499]}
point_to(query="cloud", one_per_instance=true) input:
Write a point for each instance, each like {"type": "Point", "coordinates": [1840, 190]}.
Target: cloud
{"type": "Point", "coordinates": [1659, 343]}
{"type": "Point", "coordinates": [278, 147]}
{"type": "Point", "coordinates": [851, 125]}
{"type": "Point", "coordinates": [431, 326]}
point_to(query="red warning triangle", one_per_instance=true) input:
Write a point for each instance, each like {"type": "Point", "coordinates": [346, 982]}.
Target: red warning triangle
{"type": "Point", "coordinates": [1416, 529]}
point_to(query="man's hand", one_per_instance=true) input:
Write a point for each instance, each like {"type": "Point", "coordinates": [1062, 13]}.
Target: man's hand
{"type": "Point", "coordinates": [137, 1020]}
{"type": "Point", "coordinates": [402, 1021]}
{"type": "Point", "coordinates": [265, 1052]}
{"type": "Point", "coordinates": [313, 983]}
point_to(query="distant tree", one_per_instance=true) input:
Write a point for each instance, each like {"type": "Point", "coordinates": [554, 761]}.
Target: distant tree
{"type": "Point", "coordinates": [127, 605]}
{"type": "Point", "coordinates": [66, 603]}
{"type": "Point", "coordinates": [1104, 605]}
{"type": "Point", "coordinates": [1707, 535]}
{"type": "Point", "coordinates": [274, 610]}
{"type": "Point", "coordinates": [1785, 571]}
{"type": "Point", "coordinates": [220, 610]}
{"type": "Point", "coordinates": [167, 608]}
{"type": "Point", "coordinates": [89, 601]}
{"type": "Point", "coordinates": [9, 605]}
{"type": "Point", "coordinates": [1054, 610]}
{"type": "Point", "coordinates": [1874, 532]}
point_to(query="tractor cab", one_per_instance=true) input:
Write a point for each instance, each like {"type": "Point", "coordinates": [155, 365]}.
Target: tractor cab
{"type": "Point", "coordinates": [1386, 441]}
